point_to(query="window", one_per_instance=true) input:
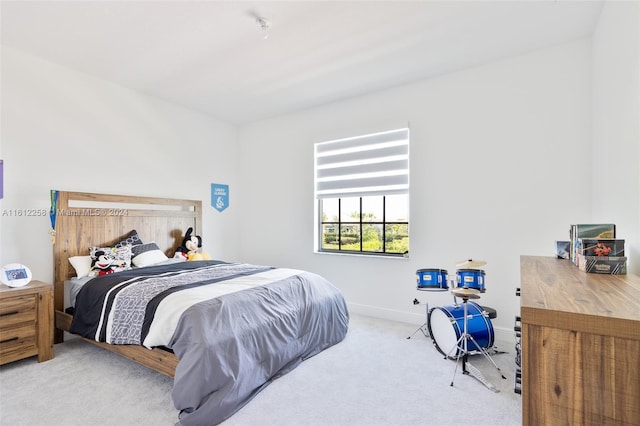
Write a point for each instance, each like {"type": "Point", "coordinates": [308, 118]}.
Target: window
{"type": "Point", "coordinates": [362, 194]}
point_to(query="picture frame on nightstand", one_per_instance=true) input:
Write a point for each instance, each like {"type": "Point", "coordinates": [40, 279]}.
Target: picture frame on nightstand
{"type": "Point", "coordinates": [15, 275]}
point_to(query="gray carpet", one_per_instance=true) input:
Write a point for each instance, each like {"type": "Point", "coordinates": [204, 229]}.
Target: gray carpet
{"type": "Point", "coordinates": [374, 377]}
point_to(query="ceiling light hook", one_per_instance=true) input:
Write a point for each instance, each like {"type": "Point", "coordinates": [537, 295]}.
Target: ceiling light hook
{"type": "Point", "coordinates": [264, 24]}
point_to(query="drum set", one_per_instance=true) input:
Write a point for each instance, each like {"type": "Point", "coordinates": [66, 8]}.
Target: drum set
{"type": "Point", "coordinates": [461, 329]}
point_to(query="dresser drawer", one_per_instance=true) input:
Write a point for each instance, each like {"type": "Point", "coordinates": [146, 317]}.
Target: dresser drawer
{"type": "Point", "coordinates": [16, 310]}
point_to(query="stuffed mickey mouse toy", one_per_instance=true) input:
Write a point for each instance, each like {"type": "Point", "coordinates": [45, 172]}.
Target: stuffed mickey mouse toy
{"type": "Point", "coordinates": [189, 248]}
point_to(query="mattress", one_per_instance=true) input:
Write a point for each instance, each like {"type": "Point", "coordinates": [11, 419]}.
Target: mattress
{"type": "Point", "coordinates": [72, 288]}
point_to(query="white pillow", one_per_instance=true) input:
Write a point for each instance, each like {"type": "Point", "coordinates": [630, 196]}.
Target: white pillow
{"type": "Point", "coordinates": [82, 265]}
{"type": "Point", "coordinates": [147, 255]}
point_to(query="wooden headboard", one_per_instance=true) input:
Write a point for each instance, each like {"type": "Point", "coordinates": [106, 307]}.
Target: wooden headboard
{"type": "Point", "coordinates": [85, 219]}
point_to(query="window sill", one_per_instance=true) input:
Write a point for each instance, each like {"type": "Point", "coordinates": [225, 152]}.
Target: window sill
{"type": "Point", "coordinates": [365, 255]}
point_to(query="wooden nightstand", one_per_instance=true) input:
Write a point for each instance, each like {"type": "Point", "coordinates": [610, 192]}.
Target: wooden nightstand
{"type": "Point", "coordinates": [26, 322]}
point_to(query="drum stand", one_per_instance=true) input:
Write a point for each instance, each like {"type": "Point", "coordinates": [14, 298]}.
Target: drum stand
{"type": "Point", "coordinates": [465, 294]}
{"type": "Point", "coordinates": [424, 327]}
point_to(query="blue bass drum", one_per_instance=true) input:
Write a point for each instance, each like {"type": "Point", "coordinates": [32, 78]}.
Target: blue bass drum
{"type": "Point", "coordinates": [446, 326]}
{"type": "Point", "coordinates": [432, 279]}
{"type": "Point", "coordinates": [472, 278]}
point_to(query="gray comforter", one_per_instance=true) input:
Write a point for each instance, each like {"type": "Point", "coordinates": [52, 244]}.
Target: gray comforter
{"type": "Point", "coordinates": [232, 345]}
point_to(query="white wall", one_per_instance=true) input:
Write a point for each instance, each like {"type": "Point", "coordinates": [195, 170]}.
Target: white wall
{"type": "Point", "coordinates": [503, 158]}
{"type": "Point", "coordinates": [616, 124]}
{"type": "Point", "coordinates": [65, 130]}
{"type": "Point", "coordinates": [496, 152]}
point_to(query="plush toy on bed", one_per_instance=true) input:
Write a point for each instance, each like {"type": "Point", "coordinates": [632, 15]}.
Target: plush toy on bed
{"type": "Point", "coordinates": [189, 250]}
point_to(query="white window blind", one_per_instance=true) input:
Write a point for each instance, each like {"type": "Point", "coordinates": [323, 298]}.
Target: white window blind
{"type": "Point", "coordinates": [375, 164]}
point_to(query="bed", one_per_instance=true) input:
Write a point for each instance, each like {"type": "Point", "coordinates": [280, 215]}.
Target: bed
{"type": "Point", "coordinates": [222, 330]}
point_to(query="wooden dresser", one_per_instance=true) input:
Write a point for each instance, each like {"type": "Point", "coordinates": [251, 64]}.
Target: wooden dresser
{"type": "Point", "coordinates": [580, 345]}
{"type": "Point", "coordinates": [26, 322]}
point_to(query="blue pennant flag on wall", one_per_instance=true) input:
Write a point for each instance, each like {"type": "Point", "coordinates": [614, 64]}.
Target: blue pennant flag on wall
{"type": "Point", "coordinates": [219, 196]}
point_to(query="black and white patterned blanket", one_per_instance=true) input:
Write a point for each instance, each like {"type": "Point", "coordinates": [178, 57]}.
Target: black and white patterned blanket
{"type": "Point", "coordinates": [233, 327]}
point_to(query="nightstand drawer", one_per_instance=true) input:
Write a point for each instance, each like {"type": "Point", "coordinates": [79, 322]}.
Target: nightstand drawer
{"type": "Point", "coordinates": [16, 310]}
{"type": "Point", "coordinates": [19, 341]}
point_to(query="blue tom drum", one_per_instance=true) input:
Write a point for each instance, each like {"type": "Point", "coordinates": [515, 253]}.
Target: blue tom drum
{"type": "Point", "coordinates": [472, 278]}
{"type": "Point", "coordinates": [432, 279]}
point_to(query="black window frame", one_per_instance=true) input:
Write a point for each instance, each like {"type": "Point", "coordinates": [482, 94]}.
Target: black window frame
{"type": "Point", "coordinates": [360, 223]}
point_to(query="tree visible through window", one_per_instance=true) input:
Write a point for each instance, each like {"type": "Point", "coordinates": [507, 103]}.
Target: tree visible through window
{"type": "Point", "coordinates": [362, 193]}
{"type": "Point", "coordinates": [364, 224]}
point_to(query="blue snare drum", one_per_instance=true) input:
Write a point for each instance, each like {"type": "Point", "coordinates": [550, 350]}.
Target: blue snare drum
{"type": "Point", "coordinates": [432, 279]}
{"type": "Point", "coordinates": [446, 326]}
{"type": "Point", "coordinates": [472, 278]}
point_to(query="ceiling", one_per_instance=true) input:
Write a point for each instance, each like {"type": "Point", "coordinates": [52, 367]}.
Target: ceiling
{"type": "Point", "coordinates": [211, 56]}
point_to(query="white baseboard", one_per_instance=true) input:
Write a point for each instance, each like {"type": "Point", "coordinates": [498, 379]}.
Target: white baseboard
{"type": "Point", "coordinates": [501, 334]}
{"type": "Point", "coordinates": [388, 314]}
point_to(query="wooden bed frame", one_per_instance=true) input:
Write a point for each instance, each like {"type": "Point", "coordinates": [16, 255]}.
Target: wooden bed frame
{"type": "Point", "coordinates": [86, 219]}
